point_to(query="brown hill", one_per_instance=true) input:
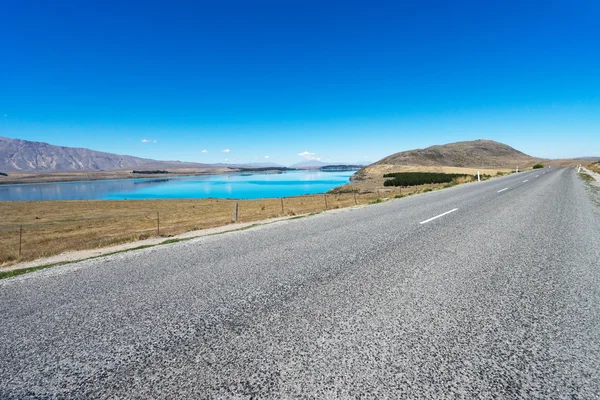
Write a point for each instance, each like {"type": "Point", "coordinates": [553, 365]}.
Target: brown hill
{"type": "Point", "coordinates": [473, 154]}
{"type": "Point", "coordinates": [25, 156]}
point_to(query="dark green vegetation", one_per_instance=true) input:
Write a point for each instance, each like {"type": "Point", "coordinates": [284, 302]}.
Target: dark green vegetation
{"type": "Point", "coordinates": [420, 178]}
{"type": "Point", "coordinates": [537, 166]}
{"type": "Point", "coordinates": [169, 241]}
{"type": "Point", "coordinates": [150, 172]}
{"type": "Point", "coordinates": [586, 177]}
{"type": "Point", "coordinates": [17, 272]}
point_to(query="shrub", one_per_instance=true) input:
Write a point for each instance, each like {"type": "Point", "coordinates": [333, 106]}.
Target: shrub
{"type": "Point", "coordinates": [420, 178]}
{"type": "Point", "coordinates": [538, 166]}
{"type": "Point", "coordinates": [149, 172]}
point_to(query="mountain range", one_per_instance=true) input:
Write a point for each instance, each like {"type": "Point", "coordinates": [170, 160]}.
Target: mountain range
{"type": "Point", "coordinates": [18, 155]}
{"type": "Point", "coordinates": [25, 156]}
{"type": "Point", "coordinates": [310, 164]}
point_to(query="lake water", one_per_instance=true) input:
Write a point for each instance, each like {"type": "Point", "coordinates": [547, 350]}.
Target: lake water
{"type": "Point", "coordinates": [234, 186]}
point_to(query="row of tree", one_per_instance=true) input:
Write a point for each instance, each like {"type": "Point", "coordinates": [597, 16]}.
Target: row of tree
{"type": "Point", "coordinates": [419, 178]}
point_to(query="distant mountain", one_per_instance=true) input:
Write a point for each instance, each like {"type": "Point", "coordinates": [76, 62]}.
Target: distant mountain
{"type": "Point", "coordinates": [23, 155]}
{"type": "Point", "coordinates": [318, 164]}
{"type": "Point", "coordinates": [309, 164]}
{"type": "Point", "coordinates": [261, 165]}
{"type": "Point", "coordinates": [475, 154]}
{"type": "Point", "coordinates": [250, 165]}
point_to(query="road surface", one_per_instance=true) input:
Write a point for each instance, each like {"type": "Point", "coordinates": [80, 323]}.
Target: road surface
{"type": "Point", "coordinates": [484, 290]}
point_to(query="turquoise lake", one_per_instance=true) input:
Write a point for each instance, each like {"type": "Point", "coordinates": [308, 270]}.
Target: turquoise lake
{"type": "Point", "coordinates": [231, 186]}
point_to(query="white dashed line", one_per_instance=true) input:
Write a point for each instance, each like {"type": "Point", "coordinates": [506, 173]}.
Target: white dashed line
{"type": "Point", "coordinates": [536, 176]}
{"type": "Point", "coordinates": [502, 190]}
{"type": "Point", "coordinates": [437, 216]}
{"type": "Point", "coordinates": [525, 180]}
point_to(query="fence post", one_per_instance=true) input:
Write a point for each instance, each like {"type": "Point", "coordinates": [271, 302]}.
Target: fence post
{"type": "Point", "coordinates": [158, 223]}
{"type": "Point", "coordinates": [282, 212]}
{"type": "Point", "coordinates": [20, 239]}
{"type": "Point", "coordinates": [355, 202]}
{"type": "Point", "coordinates": [378, 194]}
{"type": "Point", "coordinates": [235, 212]}
{"type": "Point", "coordinates": [325, 197]}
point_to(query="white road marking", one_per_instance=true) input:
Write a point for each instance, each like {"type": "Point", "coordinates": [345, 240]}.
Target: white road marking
{"type": "Point", "coordinates": [437, 216]}
{"type": "Point", "coordinates": [525, 180]}
{"type": "Point", "coordinates": [502, 190]}
{"type": "Point", "coordinates": [536, 176]}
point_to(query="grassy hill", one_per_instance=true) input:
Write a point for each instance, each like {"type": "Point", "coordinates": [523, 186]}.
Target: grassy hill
{"type": "Point", "coordinates": [487, 156]}
{"type": "Point", "coordinates": [473, 154]}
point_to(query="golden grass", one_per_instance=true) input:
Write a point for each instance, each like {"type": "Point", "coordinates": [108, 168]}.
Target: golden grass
{"type": "Point", "coordinates": [464, 179]}
{"type": "Point", "coordinates": [53, 227]}
{"type": "Point", "coordinates": [594, 167]}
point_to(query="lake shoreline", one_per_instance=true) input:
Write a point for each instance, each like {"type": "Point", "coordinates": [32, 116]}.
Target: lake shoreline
{"type": "Point", "coordinates": [24, 178]}
{"type": "Point", "coordinates": [124, 185]}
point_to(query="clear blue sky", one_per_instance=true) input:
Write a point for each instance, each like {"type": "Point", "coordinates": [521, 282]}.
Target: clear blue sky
{"type": "Point", "coordinates": [345, 81]}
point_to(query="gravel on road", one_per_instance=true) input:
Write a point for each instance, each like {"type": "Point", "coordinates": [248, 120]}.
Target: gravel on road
{"type": "Point", "coordinates": [498, 298]}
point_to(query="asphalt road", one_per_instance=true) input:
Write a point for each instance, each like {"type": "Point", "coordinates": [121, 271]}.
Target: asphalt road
{"type": "Point", "coordinates": [499, 297]}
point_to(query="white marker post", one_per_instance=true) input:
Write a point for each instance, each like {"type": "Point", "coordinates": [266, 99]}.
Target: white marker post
{"type": "Point", "coordinates": [478, 178]}
{"type": "Point", "coordinates": [517, 169]}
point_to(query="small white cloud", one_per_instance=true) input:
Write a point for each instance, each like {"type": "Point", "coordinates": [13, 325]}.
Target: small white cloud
{"type": "Point", "coordinates": [267, 156]}
{"type": "Point", "coordinates": [226, 151]}
{"type": "Point", "coordinates": [226, 159]}
{"type": "Point", "coordinates": [309, 156]}
{"type": "Point", "coordinates": [148, 141]}
{"type": "Point", "coordinates": [205, 151]}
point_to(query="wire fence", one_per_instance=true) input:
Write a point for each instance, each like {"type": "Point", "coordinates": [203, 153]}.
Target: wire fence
{"type": "Point", "coordinates": [31, 230]}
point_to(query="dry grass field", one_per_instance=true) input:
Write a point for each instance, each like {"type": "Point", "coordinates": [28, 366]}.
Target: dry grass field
{"type": "Point", "coordinates": [53, 227]}
{"type": "Point", "coordinates": [594, 167]}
